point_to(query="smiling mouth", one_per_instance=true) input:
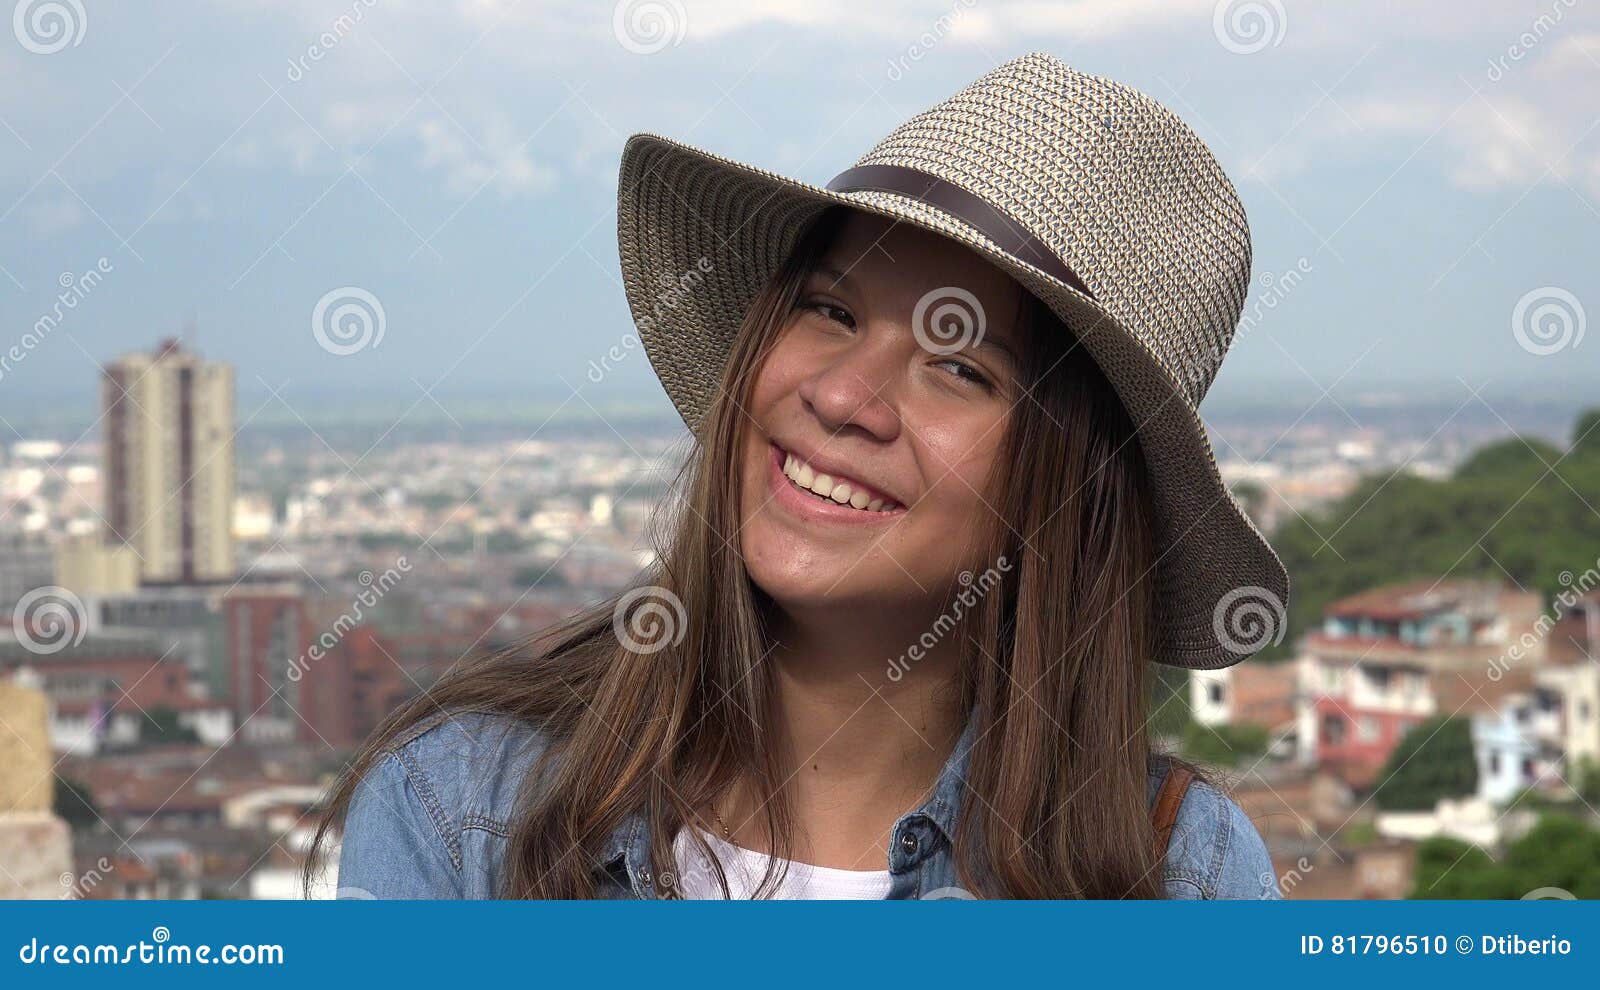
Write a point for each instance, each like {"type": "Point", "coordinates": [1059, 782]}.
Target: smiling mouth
{"type": "Point", "coordinates": [833, 488]}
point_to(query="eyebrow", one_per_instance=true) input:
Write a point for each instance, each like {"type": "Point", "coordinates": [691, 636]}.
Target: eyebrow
{"type": "Point", "coordinates": [832, 274]}
{"type": "Point", "coordinates": [990, 340]}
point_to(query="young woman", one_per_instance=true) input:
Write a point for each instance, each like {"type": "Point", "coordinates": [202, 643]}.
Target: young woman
{"type": "Point", "coordinates": [950, 498]}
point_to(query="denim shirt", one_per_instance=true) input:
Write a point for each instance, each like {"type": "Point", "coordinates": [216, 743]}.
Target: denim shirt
{"type": "Point", "coordinates": [431, 820]}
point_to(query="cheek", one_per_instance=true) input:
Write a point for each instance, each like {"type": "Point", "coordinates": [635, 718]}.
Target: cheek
{"type": "Point", "coordinates": [779, 374]}
{"type": "Point", "coordinates": [964, 458]}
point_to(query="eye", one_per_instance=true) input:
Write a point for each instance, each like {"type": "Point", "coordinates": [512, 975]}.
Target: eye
{"type": "Point", "coordinates": [830, 311]}
{"type": "Point", "coordinates": [967, 373]}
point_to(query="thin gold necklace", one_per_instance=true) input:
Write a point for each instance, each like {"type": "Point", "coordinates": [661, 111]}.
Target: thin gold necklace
{"type": "Point", "coordinates": [726, 834]}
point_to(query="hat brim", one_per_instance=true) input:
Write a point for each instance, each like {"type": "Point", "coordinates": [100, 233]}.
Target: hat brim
{"type": "Point", "coordinates": [699, 235]}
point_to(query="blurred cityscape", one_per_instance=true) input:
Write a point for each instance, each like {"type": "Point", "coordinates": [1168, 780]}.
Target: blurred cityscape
{"type": "Point", "coordinates": [207, 617]}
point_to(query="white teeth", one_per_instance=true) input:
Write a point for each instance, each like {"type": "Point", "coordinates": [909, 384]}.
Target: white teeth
{"type": "Point", "coordinates": [824, 486]}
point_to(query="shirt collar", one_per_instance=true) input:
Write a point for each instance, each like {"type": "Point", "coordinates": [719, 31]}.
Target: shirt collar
{"type": "Point", "coordinates": [942, 806]}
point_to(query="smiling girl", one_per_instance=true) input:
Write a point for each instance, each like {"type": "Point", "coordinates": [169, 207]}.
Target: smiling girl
{"type": "Point", "coordinates": [949, 500]}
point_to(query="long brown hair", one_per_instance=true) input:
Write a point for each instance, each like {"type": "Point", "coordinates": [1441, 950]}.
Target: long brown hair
{"type": "Point", "coordinates": [1054, 669]}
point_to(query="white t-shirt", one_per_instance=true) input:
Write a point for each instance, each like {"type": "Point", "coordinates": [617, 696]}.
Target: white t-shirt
{"type": "Point", "coordinates": [697, 880]}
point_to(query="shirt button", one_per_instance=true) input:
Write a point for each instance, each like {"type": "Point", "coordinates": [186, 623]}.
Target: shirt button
{"type": "Point", "coordinates": [908, 842]}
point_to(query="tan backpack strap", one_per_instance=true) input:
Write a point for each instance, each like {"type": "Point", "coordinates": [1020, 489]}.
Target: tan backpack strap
{"type": "Point", "coordinates": [1168, 800]}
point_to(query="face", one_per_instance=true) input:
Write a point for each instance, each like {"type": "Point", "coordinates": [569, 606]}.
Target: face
{"type": "Point", "coordinates": [875, 422]}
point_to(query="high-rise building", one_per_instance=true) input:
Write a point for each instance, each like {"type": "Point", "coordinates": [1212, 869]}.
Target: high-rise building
{"type": "Point", "coordinates": [168, 463]}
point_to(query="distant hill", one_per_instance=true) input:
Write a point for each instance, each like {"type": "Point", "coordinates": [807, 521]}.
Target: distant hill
{"type": "Point", "coordinates": [1518, 510]}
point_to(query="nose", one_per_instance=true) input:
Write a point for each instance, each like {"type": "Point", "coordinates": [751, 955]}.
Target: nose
{"type": "Point", "coordinates": [855, 392]}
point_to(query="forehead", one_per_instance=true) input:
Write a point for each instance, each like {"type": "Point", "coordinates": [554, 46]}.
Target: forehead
{"type": "Point", "coordinates": [898, 261]}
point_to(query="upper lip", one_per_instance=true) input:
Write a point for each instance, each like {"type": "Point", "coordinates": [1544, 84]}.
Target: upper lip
{"type": "Point", "coordinates": [835, 469]}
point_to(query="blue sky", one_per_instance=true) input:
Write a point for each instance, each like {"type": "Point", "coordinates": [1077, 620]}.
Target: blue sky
{"type": "Point", "coordinates": [1431, 169]}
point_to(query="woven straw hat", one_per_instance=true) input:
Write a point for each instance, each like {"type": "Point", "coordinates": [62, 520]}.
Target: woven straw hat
{"type": "Point", "coordinates": [1095, 198]}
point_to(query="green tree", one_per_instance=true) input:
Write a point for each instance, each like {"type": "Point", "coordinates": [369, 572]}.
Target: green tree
{"type": "Point", "coordinates": [1585, 779]}
{"type": "Point", "coordinates": [1433, 761]}
{"type": "Point", "coordinates": [1169, 701]}
{"type": "Point", "coordinates": [1560, 852]}
{"type": "Point", "coordinates": [1586, 432]}
{"type": "Point", "coordinates": [1225, 745]}
{"type": "Point", "coordinates": [73, 802]}
{"type": "Point", "coordinates": [1449, 869]}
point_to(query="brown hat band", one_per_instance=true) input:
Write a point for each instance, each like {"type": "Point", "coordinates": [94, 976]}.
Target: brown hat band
{"type": "Point", "coordinates": [971, 209]}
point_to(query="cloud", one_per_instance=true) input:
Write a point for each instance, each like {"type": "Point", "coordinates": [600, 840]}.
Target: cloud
{"type": "Point", "coordinates": [496, 158]}
{"type": "Point", "coordinates": [1515, 122]}
{"type": "Point", "coordinates": [53, 215]}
